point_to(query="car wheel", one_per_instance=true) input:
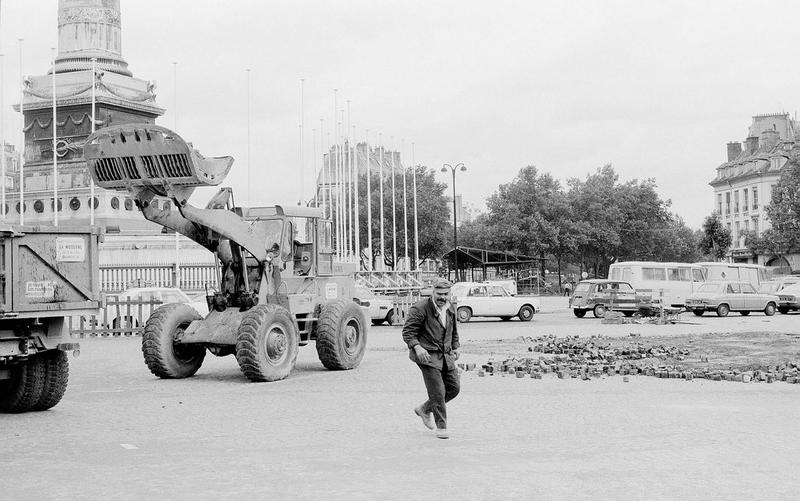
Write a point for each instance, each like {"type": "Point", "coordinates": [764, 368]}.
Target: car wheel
{"type": "Point", "coordinates": [599, 311]}
{"type": "Point", "coordinates": [723, 310]}
{"type": "Point", "coordinates": [783, 310]}
{"type": "Point", "coordinates": [579, 313]}
{"type": "Point", "coordinates": [526, 313]}
{"type": "Point", "coordinates": [770, 309]}
{"type": "Point", "coordinates": [627, 313]}
{"type": "Point", "coordinates": [391, 317]}
{"type": "Point", "coordinates": [464, 314]}
{"type": "Point", "coordinates": [699, 313]}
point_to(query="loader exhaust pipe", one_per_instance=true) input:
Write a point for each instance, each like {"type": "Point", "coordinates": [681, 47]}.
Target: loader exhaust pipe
{"type": "Point", "coordinates": [133, 157]}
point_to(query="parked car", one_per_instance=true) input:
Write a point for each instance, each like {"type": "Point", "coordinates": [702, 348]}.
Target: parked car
{"type": "Point", "coordinates": [378, 308]}
{"type": "Point", "coordinates": [477, 299]}
{"type": "Point", "coordinates": [133, 307]}
{"type": "Point", "coordinates": [599, 296]}
{"type": "Point", "coordinates": [724, 297]}
{"type": "Point", "coordinates": [789, 299]}
{"type": "Point", "coordinates": [777, 285]}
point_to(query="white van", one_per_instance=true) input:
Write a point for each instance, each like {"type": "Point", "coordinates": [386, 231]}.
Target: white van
{"type": "Point", "coordinates": [736, 272]}
{"type": "Point", "coordinates": [671, 283]}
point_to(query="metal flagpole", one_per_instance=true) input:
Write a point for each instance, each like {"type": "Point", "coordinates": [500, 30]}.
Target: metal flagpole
{"type": "Point", "coordinates": [350, 198]}
{"type": "Point", "coordinates": [369, 201]}
{"type": "Point", "coordinates": [302, 143]}
{"type": "Point", "coordinates": [324, 167]}
{"type": "Point", "coordinates": [416, 232]}
{"type": "Point", "coordinates": [249, 183]}
{"type": "Point", "coordinates": [2, 137]}
{"type": "Point", "coordinates": [22, 140]}
{"type": "Point", "coordinates": [177, 280]}
{"type": "Point", "coordinates": [380, 173]}
{"type": "Point", "coordinates": [317, 177]}
{"type": "Point", "coordinates": [337, 220]}
{"type": "Point", "coordinates": [405, 204]}
{"type": "Point", "coordinates": [2, 128]}
{"type": "Point", "coordinates": [394, 215]}
{"type": "Point", "coordinates": [356, 217]}
{"type": "Point", "coordinates": [55, 140]}
{"type": "Point", "coordinates": [94, 104]}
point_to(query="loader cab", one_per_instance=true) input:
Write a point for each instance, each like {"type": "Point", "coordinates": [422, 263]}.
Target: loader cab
{"type": "Point", "coordinates": [305, 245]}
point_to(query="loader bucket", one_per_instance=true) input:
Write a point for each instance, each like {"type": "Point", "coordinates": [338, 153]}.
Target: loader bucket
{"type": "Point", "coordinates": [134, 156]}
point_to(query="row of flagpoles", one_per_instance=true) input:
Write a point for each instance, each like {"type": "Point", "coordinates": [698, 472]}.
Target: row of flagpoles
{"type": "Point", "coordinates": [337, 189]}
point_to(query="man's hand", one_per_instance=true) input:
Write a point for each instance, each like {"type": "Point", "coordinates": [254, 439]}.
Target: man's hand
{"type": "Point", "coordinates": [422, 354]}
{"type": "Point", "coordinates": [456, 354]}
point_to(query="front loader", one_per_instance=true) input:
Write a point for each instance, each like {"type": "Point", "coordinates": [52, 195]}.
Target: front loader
{"type": "Point", "coordinates": [279, 285]}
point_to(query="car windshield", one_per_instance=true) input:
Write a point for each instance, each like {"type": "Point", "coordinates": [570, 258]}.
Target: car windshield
{"type": "Point", "coordinates": [708, 288]}
{"type": "Point", "coordinates": [582, 287]}
{"type": "Point", "coordinates": [791, 289]}
{"type": "Point", "coordinates": [272, 228]}
{"type": "Point", "coordinates": [769, 287]}
{"type": "Point", "coordinates": [459, 291]}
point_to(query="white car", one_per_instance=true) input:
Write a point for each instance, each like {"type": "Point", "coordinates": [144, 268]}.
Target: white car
{"type": "Point", "coordinates": [379, 309]}
{"type": "Point", "coordinates": [133, 307]}
{"type": "Point", "coordinates": [477, 299]}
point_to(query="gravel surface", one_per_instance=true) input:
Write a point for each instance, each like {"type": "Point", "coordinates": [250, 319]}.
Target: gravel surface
{"type": "Point", "coordinates": [120, 433]}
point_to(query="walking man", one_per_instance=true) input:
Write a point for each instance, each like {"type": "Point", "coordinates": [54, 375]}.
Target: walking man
{"type": "Point", "coordinates": [431, 334]}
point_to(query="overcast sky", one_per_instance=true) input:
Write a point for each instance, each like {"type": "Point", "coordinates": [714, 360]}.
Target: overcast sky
{"type": "Point", "coordinates": [656, 89]}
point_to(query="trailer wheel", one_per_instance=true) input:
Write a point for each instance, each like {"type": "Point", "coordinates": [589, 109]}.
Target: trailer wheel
{"type": "Point", "coordinates": [56, 376]}
{"type": "Point", "coordinates": [165, 358]}
{"type": "Point", "coordinates": [267, 343]}
{"type": "Point", "coordinates": [579, 313]}
{"type": "Point", "coordinates": [23, 390]}
{"type": "Point", "coordinates": [341, 335]}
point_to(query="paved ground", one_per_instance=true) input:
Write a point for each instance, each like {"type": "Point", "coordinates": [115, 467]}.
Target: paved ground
{"type": "Point", "coordinates": [120, 433]}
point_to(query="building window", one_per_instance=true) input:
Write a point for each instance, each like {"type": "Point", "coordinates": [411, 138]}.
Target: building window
{"type": "Point", "coordinates": [755, 198]}
{"type": "Point", "coordinates": [736, 202]}
{"type": "Point", "coordinates": [727, 203]}
{"type": "Point", "coordinates": [745, 192]}
{"type": "Point", "coordinates": [53, 205]}
{"type": "Point", "coordinates": [38, 206]}
{"type": "Point", "coordinates": [95, 203]}
{"type": "Point", "coordinates": [128, 204]}
{"type": "Point", "coordinates": [771, 192]}
{"type": "Point", "coordinates": [736, 232]}
{"type": "Point", "coordinates": [755, 225]}
{"type": "Point", "coordinates": [74, 204]}
{"type": "Point", "coordinates": [719, 203]}
{"type": "Point", "coordinates": [746, 225]}
{"type": "Point", "coordinates": [114, 203]}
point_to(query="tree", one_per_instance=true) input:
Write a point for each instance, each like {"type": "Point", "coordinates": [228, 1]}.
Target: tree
{"type": "Point", "coordinates": [432, 214]}
{"type": "Point", "coordinates": [716, 238]}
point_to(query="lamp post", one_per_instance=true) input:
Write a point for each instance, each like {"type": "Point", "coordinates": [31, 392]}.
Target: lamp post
{"type": "Point", "coordinates": [459, 166]}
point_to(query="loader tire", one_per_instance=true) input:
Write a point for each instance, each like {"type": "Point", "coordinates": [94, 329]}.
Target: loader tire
{"type": "Point", "coordinates": [23, 390]}
{"type": "Point", "coordinates": [267, 343]}
{"type": "Point", "coordinates": [341, 335]}
{"type": "Point", "coordinates": [56, 377]}
{"type": "Point", "coordinates": [165, 358]}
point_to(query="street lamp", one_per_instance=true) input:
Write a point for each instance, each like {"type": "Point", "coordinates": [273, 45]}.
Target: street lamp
{"type": "Point", "coordinates": [459, 166]}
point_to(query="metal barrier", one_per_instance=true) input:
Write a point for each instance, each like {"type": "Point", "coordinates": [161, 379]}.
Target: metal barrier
{"type": "Point", "coordinates": [387, 282]}
{"type": "Point", "coordinates": [116, 317]}
{"type": "Point", "coordinates": [400, 305]}
{"type": "Point", "coordinates": [193, 277]}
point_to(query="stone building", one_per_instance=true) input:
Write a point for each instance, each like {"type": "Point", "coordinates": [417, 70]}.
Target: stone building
{"type": "Point", "coordinates": [744, 183]}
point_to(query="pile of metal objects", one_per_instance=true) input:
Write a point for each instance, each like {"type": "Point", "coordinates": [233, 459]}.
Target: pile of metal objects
{"type": "Point", "coordinates": [596, 357]}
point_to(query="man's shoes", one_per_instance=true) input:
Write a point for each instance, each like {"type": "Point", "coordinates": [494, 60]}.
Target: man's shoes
{"type": "Point", "coordinates": [427, 419]}
{"type": "Point", "coordinates": [442, 433]}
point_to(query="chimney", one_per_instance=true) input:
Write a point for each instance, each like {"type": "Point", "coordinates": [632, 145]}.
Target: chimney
{"type": "Point", "coordinates": [751, 145]}
{"type": "Point", "coordinates": [734, 150]}
{"type": "Point", "coordinates": [769, 138]}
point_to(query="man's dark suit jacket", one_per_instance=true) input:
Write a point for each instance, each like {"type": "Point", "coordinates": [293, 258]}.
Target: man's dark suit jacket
{"type": "Point", "coordinates": [423, 328]}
